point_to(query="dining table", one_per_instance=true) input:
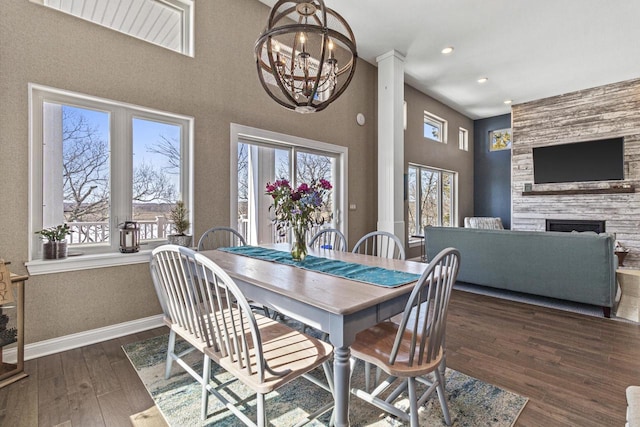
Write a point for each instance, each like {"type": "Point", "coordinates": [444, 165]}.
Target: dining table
{"type": "Point", "coordinates": [339, 306]}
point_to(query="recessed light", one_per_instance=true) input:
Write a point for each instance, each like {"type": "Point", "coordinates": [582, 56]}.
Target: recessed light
{"type": "Point", "coordinates": [508, 101]}
{"type": "Point", "coordinates": [483, 80]}
{"type": "Point", "coordinates": [447, 50]}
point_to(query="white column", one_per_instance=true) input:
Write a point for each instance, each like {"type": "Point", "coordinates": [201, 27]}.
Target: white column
{"type": "Point", "coordinates": [391, 143]}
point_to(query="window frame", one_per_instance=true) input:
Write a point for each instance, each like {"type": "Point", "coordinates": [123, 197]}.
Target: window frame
{"type": "Point", "coordinates": [120, 170]}
{"type": "Point", "coordinates": [437, 122]}
{"type": "Point", "coordinates": [250, 135]}
{"type": "Point", "coordinates": [184, 7]}
{"type": "Point", "coordinates": [463, 139]}
{"type": "Point", "coordinates": [418, 196]}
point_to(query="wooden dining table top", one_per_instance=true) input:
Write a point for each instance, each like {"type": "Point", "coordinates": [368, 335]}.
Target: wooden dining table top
{"type": "Point", "coordinates": [330, 293]}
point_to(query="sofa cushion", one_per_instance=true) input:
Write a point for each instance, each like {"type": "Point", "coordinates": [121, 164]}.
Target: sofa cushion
{"type": "Point", "coordinates": [484, 222]}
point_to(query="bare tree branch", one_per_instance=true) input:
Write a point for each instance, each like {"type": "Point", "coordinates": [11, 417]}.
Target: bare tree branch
{"type": "Point", "coordinates": [170, 148]}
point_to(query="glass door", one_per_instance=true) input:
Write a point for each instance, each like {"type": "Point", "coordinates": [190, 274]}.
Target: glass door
{"type": "Point", "coordinates": [259, 164]}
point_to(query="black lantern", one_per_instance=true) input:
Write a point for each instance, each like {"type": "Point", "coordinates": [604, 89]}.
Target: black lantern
{"type": "Point", "coordinates": [129, 237]}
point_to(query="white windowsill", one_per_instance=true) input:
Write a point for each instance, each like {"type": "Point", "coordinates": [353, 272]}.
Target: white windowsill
{"type": "Point", "coordinates": [86, 262]}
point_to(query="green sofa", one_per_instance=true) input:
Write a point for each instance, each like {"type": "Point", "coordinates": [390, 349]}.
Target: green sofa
{"type": "Point", "coordinates": [578, 267]}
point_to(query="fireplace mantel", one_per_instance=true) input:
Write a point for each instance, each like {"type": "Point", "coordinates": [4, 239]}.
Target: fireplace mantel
{"type": "Point", "coordinates": [611, 190]}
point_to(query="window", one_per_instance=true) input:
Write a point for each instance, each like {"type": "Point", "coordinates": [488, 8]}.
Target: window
{"type": "Point", "coordinates": [431, 194]}
{"type": "Point", "coordinates": [435, 127]}
{"type": "Point", "coordinates": [96, 163]}
{"type": "Point", "coordinates": [263, 157]}
{"type": "Point", "coordinates": [463, 139]}
{"type": "Point", "coordinates": [167, 23]}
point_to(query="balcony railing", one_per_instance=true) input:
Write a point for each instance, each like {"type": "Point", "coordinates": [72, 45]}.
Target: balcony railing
{"type": "Point", "coordinates": [160, 228]}
{"type": "Point", "coordinates": [98, 232]}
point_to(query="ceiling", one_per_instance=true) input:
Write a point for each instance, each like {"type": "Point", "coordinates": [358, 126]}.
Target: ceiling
{"type": "Point", "coordinates": [156, 22]}
{"type": "Point", "coordinates": [528, 49]}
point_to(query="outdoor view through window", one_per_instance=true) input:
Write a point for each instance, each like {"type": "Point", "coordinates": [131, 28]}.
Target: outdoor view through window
{"type": "Point", "coordinates": [82, 178]}
{"type": "Point", "coordinates": [257, 165]}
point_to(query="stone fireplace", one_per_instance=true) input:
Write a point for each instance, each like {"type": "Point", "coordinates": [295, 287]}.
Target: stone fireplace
{"type": "Point", "coordinates": [569, 225]}
{"type": "Point", "coordinates": [592, 114]}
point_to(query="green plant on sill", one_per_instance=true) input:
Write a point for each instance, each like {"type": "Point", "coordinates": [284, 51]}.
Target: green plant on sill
{"type": "Point", "coordinates": [55, 234]}
{"type": "Point", "coordinates": [180, 217]}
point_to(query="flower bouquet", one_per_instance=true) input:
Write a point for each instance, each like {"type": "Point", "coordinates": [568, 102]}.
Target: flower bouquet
{"type": "Point", "coordinates": [298, 208]}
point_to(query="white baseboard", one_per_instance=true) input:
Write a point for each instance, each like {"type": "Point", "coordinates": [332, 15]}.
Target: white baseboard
{"type": "Point", "coordinates": [81, 339]}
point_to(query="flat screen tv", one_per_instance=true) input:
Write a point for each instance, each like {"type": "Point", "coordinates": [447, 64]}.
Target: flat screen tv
{"type": "Point", "coordinates": [600, 160]}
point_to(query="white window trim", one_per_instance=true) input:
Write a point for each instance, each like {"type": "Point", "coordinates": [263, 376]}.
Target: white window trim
{"type": "Point", "coordinates": [443, 123]}
{"type": "Point", "coordinates": [242, 133]}
{"type": "Point", "coordinates": [97, 256]}
{"type": "Point", "coordinates": [414, 242]}
{"type": "Point", "coordinates": [464, 143]}
{"type": "Point", "coordinates": [184, 7]}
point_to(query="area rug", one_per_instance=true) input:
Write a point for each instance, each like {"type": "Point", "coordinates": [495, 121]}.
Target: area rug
{"type": "Point", "coordinates": [471, 401]}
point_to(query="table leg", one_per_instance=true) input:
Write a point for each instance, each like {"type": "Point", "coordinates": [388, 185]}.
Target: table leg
{"type": "Point", "coordinates": [341, 381]}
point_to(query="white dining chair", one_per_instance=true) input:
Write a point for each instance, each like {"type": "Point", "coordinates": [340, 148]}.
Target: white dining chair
{"type": "Point", "coordinates": [380, 243]}
{"type": "Point", "coordinates": [204, 306]}
{"type": "Point", "coordinates": [220, 237]}
{"type": "Point", "coordinates": [224, 237]}
{"type": "Point", "coordinates": [408, 352]}
{"type": "Point", "coordinates": [329, 238]}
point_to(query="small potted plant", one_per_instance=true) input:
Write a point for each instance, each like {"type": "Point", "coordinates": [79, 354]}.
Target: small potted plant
{"type": "Point", "coordinates": [180, 217]}
{"type": "Point", "coordinates": [55, 244]}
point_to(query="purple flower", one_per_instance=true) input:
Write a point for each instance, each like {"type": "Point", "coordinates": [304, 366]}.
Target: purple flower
{"type": "Point", "coordinates": [282, 183]}
{"type": "Point", "coordinates": [303, 188]}
{"type": "Point", "coordinates": [295, 196]}
{"type": "Point", "coordinates": [270, 187]}
{"type": "Point", "coordinates": [325, 184]}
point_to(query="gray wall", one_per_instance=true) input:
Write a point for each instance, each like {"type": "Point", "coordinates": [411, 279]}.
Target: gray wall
{"type": "Point", "coordinates": [218, 87]}
{"type": "Point", "coordinates": [423, 151]}
{"type": "Point", "coordinates": [492, 172]}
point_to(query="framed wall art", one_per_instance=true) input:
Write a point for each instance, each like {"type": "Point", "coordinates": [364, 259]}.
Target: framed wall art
{"type": "Point", "coordinates": [500, 139]}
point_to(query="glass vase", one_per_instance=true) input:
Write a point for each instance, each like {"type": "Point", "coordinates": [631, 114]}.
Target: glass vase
{"type": "Point", "coordinates": [299, 247]}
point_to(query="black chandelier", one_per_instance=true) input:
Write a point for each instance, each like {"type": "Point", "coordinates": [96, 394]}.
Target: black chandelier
{"type": "Point", "coordinates": [306, 56]}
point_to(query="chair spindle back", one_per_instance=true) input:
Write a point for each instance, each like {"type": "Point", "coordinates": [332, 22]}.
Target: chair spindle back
{"type": "Point", "coordinates": [425, 314]}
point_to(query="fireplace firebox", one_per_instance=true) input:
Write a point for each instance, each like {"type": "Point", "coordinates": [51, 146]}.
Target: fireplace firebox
{"type": "Point", "coordinates": [569, 225]}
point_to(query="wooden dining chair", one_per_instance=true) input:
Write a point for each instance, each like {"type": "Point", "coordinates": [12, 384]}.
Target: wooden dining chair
{"type": "Point", "coordinates": [220, 237]}
{"type": "Point", "coordinates": [329, 238]}
{"type": "Point", "coordinates": [409, 351]}
{"type": "Point", "coordinates": [205, 307]}
{"type": "Point", "coordinates": [380, 243]}
{"type": "Point", "coordinates": [224, 237]}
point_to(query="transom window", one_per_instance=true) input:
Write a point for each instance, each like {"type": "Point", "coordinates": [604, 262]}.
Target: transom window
{"type": "Point", "coordinates": [463, 139]}
{"type": "Point", "coordinates": [97, 163]}
{"type": "Point", "coordinates": [432, 196]}
{"type": "Point", "coordinates": [167, 23]}
{"type": "Point", "coordinates": [435, 127]}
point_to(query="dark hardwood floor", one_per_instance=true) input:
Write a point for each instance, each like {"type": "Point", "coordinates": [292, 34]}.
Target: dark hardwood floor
{"type": "Point", "coordinates": [574, 369]}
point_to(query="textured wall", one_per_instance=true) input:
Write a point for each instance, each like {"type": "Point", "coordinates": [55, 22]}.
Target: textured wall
{"type": "Point", "coordinates": [491, 172]}
{"type": "Point", "coordinates": [598, 113]}
{"type": "Point", "coordinates": [218, 86]}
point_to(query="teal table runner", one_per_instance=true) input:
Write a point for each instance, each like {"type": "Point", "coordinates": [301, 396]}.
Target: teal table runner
{"type": "Point", "coordinates": [348, 270]}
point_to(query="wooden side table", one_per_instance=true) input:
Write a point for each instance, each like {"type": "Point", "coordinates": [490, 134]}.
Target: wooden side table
{"type": "Point", "coordinates": [12, 329]}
